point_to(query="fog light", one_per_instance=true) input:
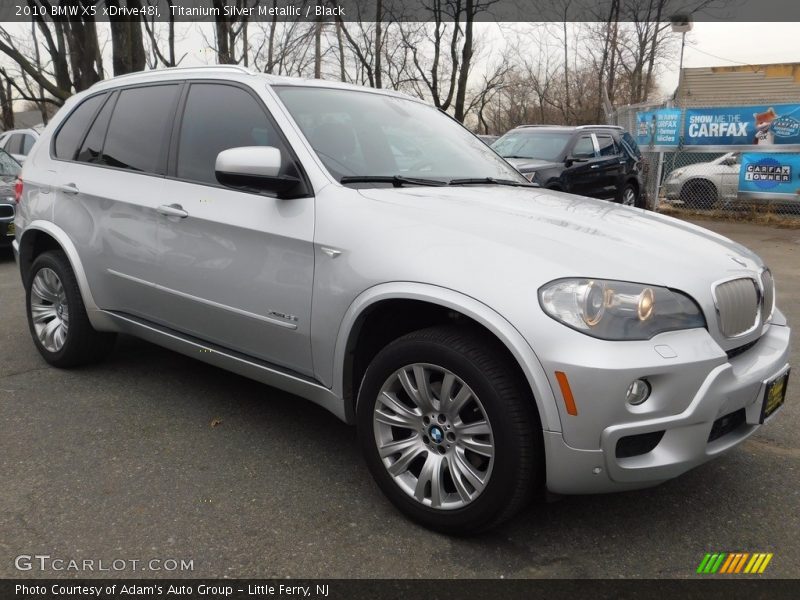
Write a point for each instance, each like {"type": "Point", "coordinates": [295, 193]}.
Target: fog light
{"type": "Point", "coordinates": [638, 392]}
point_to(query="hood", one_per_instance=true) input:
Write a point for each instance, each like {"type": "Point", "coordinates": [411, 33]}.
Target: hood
{"type": "Point", "coordinates": [532, 164]}
{"type": "Point", "coordinates": [540, 235]}
{"type": "Point", "coordinates": [706, 168]}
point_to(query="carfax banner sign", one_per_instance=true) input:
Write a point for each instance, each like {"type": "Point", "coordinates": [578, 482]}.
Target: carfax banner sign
{"type": "Point", "coordinates": [658, 127]}
{"type": "Point", "coordinates": [763, 125]}
{"type": "Point", "coordinates": [770, 174]}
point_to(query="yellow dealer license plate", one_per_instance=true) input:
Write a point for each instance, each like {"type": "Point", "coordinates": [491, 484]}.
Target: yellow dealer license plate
{"type": "Point", "coordinates": [774, 396]}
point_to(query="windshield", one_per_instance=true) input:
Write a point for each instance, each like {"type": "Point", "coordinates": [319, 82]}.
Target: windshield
{"type": "Point", "coordinates": [363, 134]}
{"type": "Point", "coordinates": [537, 145]}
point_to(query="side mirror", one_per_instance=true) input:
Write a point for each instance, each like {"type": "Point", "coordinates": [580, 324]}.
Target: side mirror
{"type": "Point", "coordinates": [256, 169]}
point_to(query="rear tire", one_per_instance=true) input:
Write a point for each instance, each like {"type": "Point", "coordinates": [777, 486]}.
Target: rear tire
{"type": "Point", "coordinates": [629, 196]}
{"type": "Point", "coordinates": [479, 425]}
{"type": "Point", "coordinates": [57, 316]}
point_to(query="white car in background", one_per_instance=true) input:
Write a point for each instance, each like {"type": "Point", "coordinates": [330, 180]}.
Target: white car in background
{"type": "Point", "coordinates": [702, 185]}
{"type": "Point", "coordinates": [19, 142]}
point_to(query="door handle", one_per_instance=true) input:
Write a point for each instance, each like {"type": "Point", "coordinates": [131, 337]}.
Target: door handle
{"type": "Point", "coordinates": [68, 188]}
{"type": "Point", "coordinates": [172, 210]}
{"type": "Point", "coordinates": [595, 167]}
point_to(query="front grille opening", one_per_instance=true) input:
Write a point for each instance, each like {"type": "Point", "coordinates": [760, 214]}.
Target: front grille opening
{"type": "Point", "coordinates": [636, 445]}
{"type": "Point", "coordinates": [741, 349]}
{"type": "Point", "coordinates": [6, 211]}
{"type": "Point", "coordinates": [726, 424]}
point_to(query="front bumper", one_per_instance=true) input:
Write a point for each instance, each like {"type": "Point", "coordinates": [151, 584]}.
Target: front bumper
{"type": "Point", "coordinates": [672, 189]}
{"type": "Point", "coordinates": [734, 386]}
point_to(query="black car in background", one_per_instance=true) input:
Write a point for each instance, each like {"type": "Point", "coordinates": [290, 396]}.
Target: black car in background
{"type": "Point", "coordinates": [601, 161]}
{"type": "Point", "coordinates": [9, 171]}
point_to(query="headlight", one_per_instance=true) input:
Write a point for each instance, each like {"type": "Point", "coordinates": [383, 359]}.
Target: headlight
{"type": "Point", "coordinates": [619, 310]}
{"type": "Point", "coordinates": [675, 174]}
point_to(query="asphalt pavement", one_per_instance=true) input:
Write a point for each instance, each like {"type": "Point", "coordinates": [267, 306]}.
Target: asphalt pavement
{"type": "Point", "coordinates": [154, 456]}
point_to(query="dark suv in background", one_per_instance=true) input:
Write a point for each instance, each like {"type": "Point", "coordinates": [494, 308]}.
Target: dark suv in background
{"type": "Point", "coordinates": [601, 161]}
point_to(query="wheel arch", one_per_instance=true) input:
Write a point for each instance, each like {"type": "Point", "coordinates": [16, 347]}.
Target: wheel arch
{"type": "Point", "coordinates": [40, 236]}
{"type": "Point", "coordinates": [434, 305]}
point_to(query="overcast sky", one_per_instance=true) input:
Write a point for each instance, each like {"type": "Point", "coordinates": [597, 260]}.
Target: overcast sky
{"type": "Point", "coordinates": [737, 43]}
{"type": "Point", "coordinates": [708, 44]}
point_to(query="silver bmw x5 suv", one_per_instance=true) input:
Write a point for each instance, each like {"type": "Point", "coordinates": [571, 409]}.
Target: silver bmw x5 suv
{"type": "Point", "coordinates": [360, 249]}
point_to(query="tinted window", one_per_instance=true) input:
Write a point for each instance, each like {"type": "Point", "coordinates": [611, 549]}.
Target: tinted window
{"type": "Point", "coordinates": [14, 144]}
{"type": "Point", "coordinates": [584, 148]}
{"type": "Point", "coordinates": [139, 125]}
{"type": "Point", "coordinates": [71, 134]}
{"type": "Point", "coordinates": [607, 145]}
{"type": "Point", "coordinates": [207, 129]}
{"type": "Point", "coordinates": [93, 144]}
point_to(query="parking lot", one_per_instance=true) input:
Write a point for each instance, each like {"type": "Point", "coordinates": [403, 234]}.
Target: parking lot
{"type": "Point", "coordinates": [152, 455]}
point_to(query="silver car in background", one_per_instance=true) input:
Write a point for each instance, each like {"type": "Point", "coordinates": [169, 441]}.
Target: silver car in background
{"type": "Point", "coordinates": [706, 184]}
{"type": "Point", "coordinates": [489, 339]}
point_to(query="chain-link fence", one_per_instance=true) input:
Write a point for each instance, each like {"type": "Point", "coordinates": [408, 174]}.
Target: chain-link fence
{"type": "Point", "coordinates": [722, 157]}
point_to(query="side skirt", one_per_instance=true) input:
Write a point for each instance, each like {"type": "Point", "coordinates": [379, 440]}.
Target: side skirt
{"type": "Point", "coordinates": [250, 367]}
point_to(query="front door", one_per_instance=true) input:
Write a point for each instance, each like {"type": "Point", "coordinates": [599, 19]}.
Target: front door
{"type": "Point", "coordinates": [237, 267]}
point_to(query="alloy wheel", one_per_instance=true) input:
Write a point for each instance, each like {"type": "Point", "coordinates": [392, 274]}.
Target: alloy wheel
{"type": "Point", "coordinates": [49, 310]}
{"type": "Point", "coordinates": [433, 436]}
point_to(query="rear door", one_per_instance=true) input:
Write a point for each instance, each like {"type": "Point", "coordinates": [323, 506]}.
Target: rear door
{"type": "Point", "coordinates": [581, 175]}
{"type": "Point", "coordinates": [611, 166]}
{"type": "Point", "coordinates": [109, 187]}
{"type": "Point", "coordinates": [237, 267]}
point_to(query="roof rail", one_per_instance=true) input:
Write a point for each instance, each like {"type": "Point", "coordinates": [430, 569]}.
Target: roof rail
{"type": "Point", "coordinates": [541, 125]}
{"type": "Point", "coordinates": [599, 127]}
{"type": "Point", "coordinates": [200, 69]}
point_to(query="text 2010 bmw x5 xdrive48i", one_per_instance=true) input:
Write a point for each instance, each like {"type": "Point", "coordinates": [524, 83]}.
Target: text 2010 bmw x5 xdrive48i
{"type": "Point", "coordinates": [360, 249]}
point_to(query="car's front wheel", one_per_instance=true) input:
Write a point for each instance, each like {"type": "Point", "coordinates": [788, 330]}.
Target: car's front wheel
{"type": "Point", "coordinates": [449, 430]}
{"type": "Point", "coordinates": [57, 317]}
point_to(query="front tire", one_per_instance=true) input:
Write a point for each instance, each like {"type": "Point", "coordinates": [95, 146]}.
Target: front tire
{"type": "Point", "coordinates": [449, 430]}
{"type": "Point", "coordinates": [57, 316]}
{"type": "Point", "coordinates": [700, 194]}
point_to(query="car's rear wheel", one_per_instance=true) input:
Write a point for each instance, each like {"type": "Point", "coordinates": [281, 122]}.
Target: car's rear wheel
{"type": "Point", "coordinates": [629, 196]}
{"type": "Point", "coordinates": [57, 316]}
{"type": "Point", "coordinates": [699, 194]}
{"type": "Point", "coordinates": [449, 431]}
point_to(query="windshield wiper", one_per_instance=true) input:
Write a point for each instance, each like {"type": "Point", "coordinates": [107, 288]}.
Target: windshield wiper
{"type": "Point", "coordinates": [517, 156]}
{"type": "Point", "coordinates": [489, 180]}
{"type": "Point", "coordinates": [395, 180]}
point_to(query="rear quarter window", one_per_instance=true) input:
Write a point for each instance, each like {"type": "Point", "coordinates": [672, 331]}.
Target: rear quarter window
{"type": "Point", "coordinates": [71, 133]}
{"type": "Point", "coordinates": [630, 145]}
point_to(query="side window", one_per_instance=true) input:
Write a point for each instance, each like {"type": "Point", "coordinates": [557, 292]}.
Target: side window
{"type": "Point", "coordinates": [27, 143]}
{"type": "Point", "coordinates": [14, 145]}
{"type": "Point", "coordinates": [583, 148]}
{"type": "Point", "coordinates": [92, 147]}
{"type": "Point", "coordinates": [141, 120]}
{"type": "Point", "coordinates": [71, 133]}
{"type": "Point", "coordinates": [607, 145]}
{"type": "Point", "coordinates": [218, 117]}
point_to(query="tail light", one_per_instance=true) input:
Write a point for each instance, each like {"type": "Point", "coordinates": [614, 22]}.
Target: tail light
{"type": "Point", "coordinates": [18, 191]}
